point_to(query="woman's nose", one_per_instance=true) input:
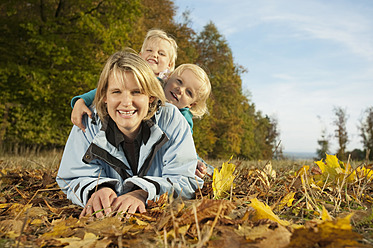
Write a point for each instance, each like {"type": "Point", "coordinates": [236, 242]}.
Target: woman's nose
{"type": "Point", "coordinates": [126, 99]}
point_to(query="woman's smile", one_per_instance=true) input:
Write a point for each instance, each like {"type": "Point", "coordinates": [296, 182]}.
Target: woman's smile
{"type": "Point", "coordinates": [126, 103]}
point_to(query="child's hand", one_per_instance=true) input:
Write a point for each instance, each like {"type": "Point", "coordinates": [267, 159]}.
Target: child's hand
{"type": "Point", "coordinates": [201, 169]}
{"type": "Point", "coordinates": [77, 114]}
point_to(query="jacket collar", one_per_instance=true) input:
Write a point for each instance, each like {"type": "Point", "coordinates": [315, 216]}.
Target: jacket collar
{"type": "Point", "coordinates": [116, 137]}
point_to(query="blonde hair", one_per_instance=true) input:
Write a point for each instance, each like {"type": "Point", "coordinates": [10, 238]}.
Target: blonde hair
{"type": "Point", "coordinates": [129, 61]}
{"type": "Point", "coordinates": [203, 93]}
{"type": "Point", "coordinates": [160, 34]}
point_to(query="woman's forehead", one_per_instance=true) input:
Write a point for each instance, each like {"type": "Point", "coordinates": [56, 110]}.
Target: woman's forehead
{"type": "Point", "coordinates": [123, 78]}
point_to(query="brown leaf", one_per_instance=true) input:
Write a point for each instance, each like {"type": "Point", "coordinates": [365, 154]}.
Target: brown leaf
{"type": "Point", "coordinates": [207, 209]}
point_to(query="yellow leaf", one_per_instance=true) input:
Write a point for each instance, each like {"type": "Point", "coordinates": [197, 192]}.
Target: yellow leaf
{"type": "Point", "coordinates": [364, 172]}
{"type": "Point", "coordinates": [89, 240]}
{"type": "Point", "coordinates": [61, 228]}
{"type": "Point", "coordinates": [325, 215]}
{"type": "Point", "coordinates": [181, 230]}
{"type": "Point", "coordinates": [223, 179]}
{"type": "Point", "coordinates": [265, 212]}
{"type": "Point", "coordinates": [37, 222]}
{"type": "Point", "coordinates": [333, 172]}
{"type": "Point", "coordinates": [286, 201]}
{"type": "Point", "coordinates": [5, 205]}
{"type": "Point", "coordinates": [335, 233]}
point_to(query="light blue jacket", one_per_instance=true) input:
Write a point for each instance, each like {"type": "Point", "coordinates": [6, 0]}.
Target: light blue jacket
{"type": "Point", "coordinates": [167, 162]}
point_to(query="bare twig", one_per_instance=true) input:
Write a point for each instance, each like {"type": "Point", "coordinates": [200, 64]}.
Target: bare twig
{"type": "Point", "coordinates": [197, 225]}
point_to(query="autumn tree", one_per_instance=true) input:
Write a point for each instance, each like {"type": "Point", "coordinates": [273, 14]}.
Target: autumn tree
{"type": "Point", "coordinates": [324, 145]}
{"type": "Point", "coordinates": [216, 57]}
{"type": "Point", "coordinates": [366, 132]}
{"type": "Point", "coordinates": [234, 127]}
{"type": "Point", "coordinates": [51, 51]}
{"type": "Point", "coordinates": [340, 122]}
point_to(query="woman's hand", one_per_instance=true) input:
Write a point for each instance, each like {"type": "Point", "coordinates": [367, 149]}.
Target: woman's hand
{"type": "Point", "coordinates": [201, 169]}
{"type": "Point", "coordinates": [77, 114]}
{"type": "Point", "coordinates": [101, 199]}
{"type": "Point", "coordinates": [131, 202]}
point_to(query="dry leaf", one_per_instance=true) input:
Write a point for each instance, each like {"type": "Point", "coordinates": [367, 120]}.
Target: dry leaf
{"type": "Point", "coordinates": [223, 180]}
{"type": "Point", "coordinates": [329, 233]}
{"type": "Point", "coordinates": [265, 212]}
{"type": "Point", "coordinates": [89, 241]}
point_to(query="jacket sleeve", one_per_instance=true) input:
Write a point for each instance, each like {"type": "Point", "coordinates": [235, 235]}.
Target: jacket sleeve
{"type": "Point", "coordinates": [76, 178]}
{"type": "Point", "coordinates": [178, 160]}
{"type": "Point", "coordinates": [87, 97]}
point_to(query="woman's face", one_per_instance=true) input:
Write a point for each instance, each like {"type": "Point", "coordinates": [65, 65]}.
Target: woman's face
{"type": "Point", "coordinates": [182, 90]}
{"type": "Point", "coordinates": [126, 103]}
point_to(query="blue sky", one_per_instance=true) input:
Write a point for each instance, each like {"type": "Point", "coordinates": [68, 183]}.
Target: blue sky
{"type": "Point", "coordinates": [303, 58]}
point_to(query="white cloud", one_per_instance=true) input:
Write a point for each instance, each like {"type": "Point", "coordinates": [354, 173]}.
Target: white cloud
{"type": "Point", "coordinates": [304, 58]}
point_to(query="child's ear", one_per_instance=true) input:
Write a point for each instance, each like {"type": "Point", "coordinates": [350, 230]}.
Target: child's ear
{"type": "Point", "coordinates": [192, 105]}
{"type": "Point", "coordinates": [170, 65]}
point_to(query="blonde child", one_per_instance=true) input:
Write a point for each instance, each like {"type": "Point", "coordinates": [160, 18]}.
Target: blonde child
{"type": "Point", "coordinates": [188, 87]}
{"type": "Point", "coordinates": [159, 50]}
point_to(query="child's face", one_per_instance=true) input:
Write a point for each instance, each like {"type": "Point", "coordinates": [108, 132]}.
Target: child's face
{"type": "Point", "coordinates": [157, 54]}
{"type": "Point", "coordinates": [182, 90]}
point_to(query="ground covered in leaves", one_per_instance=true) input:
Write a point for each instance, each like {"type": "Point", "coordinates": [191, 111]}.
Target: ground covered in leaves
{"type": "Point", "coordinates": [319, 205]}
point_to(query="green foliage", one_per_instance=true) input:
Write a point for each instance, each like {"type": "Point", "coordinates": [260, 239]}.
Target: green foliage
{"type": "Point", "coordinates": [51, 52]}
{"type": "Point", "coordinates": [54, 50]}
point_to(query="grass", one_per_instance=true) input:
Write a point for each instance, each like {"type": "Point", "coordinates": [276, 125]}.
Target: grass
{"type": "Point", "coordinates": [42, 160]}
{"type": "Point", "coordinates": [253, 180]}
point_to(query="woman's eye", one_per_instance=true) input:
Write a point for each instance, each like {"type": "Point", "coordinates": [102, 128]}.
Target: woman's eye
{"type": "Point", "coordinates": [136, 92]}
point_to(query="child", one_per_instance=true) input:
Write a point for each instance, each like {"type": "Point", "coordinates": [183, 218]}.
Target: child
{"type": "Point", "coordinates": [158, 49]}
{"type": "Point", "coordinates": [188, 88]}
{"type": "Point", "coordinates": [127, 159]}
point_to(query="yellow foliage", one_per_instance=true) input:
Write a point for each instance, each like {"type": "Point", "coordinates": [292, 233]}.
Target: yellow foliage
{"type": "Point", "coordinates": [332, 171]}
{"type": "Point", "coordinates": [223, 179]}
{"type": "Point", "coordinates": [89, 240]}
{"type": "Point", "coordinates": [265, 212]}
{"type": "Point", "coordinates": [286, 201]}
{"type": "Point", "coordinates": [302, 172]}
{"type": "Point", "coordinates": [325, 215]}
{"type": "Point", "coordinates": [364, 172]}
{"type": "Point", "coordinates": [335, 233]}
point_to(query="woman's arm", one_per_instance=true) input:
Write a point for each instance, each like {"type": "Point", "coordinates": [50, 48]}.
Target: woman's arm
{"type": "Point", "coordinates": [77, 179]}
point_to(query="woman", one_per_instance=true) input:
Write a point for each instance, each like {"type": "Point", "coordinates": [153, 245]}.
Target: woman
{"type": "Point", "coordinates": [144, 148]}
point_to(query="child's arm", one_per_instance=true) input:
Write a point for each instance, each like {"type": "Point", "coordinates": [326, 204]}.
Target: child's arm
{"type": "Point", "coordinates": [79, 105]}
